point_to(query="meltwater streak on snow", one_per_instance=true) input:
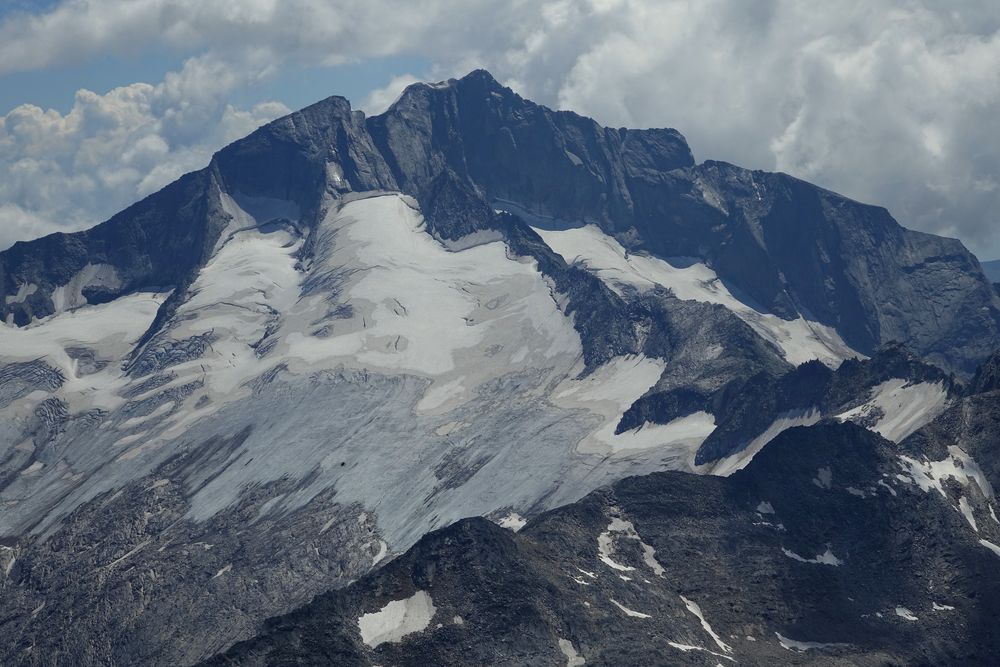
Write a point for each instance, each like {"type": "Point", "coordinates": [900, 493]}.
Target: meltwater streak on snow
{"type": "Point", "coordinates": [799, 340]}
{"type": "Point", "coordinates": [738, 460]}
{"type": "Point", "coordinates": [397, 619]}
{"type": "Point", "coordinates": [906, 407]}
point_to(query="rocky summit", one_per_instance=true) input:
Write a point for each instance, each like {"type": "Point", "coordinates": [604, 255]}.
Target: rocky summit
{"type": "Point", "coordinates": [476, 382]}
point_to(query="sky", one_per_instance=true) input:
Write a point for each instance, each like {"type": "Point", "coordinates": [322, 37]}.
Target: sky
{"type": "Point", "coordinates": [892, 102]}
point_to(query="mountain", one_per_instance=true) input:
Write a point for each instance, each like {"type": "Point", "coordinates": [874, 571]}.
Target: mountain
{"type": "Point", "coordinates": [278, 373]}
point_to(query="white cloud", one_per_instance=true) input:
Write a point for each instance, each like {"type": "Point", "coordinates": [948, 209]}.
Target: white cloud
{"type": "Point", "coordinates": [64, 172]}
{"type": "Point", "coordinates": [381, 99]}
{"type": "Point", "coordinates": [895, 102]}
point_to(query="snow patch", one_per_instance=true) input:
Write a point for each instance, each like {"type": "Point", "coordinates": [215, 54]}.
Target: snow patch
{"type": "Point", "coordinates": [397, 619]}
{"type": "Point", "coordinates": [904, 407]}
{"type": "Point", "coordinates": [573, 659]}
{"type": "Point", "coordinates": [824, 478]}
{"type": "Point", "coordinates": [825, 558]}
{"type": "Point", "coordinates": [610, 390]}
{"type": "Point", "coordinates": [24, 290]}
{"type": "Point", "coordinates": [738, 460]}
{"type": "Point", "coordinates": [693, 607]}
{"type": "Point", "coordinates": [931, 475]}
{"type": "Point", "coordinates": [513, 521]}
{"type": "Point", "coordinates": [801, 646]}
{"type": "Point", "coordinates": [903, 612]}
{"type": "Point", "coordinates": [248, 212]}
{"type": "Point", "coordinates": [383, 550]}
{"type": "Point", "coordinates": [33, 468]}
{"type": "Point", "coordinates": [992, 547]}
{"type": "Point", "coordinates": [606, 547]}
{"type": "Point", "coordinates": [966, 510]}
{"type": "Point", "coordinates": [689, 647]}
{"type": "Point", "coordinates": [629, 612]}
{"type": "Point", "coordinates": [70, 296]}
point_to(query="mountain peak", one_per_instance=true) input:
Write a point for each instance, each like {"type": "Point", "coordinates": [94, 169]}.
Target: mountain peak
{"type": "Point", "coordinates": [478, 83]}
{"type": "Point", "coordinates": [482, 77]}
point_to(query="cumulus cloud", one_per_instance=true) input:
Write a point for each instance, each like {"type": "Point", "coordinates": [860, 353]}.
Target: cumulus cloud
{"type": "Point", "coordinates": [381, 99]}
{"type": "Point", "coordinates": [69, 171]}
{"type": "Point", "coordinates": [315, 30]}
{"type": "Point", "coordinates": [895, 102]}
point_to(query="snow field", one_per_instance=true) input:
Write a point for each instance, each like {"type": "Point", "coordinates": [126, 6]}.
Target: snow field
{"type": "Point", "coordinates": [800, 340]}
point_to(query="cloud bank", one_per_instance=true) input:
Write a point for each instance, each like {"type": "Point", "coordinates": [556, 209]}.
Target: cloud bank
{"type": "Point", "coordinates": [62, 172]}
{"type": "Point", "coordinates": [894, 102]}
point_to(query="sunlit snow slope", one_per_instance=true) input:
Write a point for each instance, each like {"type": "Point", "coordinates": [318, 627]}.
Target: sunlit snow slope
{"type": "Point", "coordinates": [424, 383]}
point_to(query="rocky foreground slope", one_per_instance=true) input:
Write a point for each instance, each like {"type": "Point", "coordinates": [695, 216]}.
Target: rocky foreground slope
{"type": "Point", "coordinates": [832, 547]}
{"type": "Point", "coordinates": [278, 373]}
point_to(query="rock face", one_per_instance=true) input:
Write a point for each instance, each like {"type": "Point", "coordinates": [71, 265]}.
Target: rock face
{"type": "Point", "coordinates": [824, 550]}
{"type": "Point", "coordinates": [345, 333]}
{"type": "Point", "coordinates": [892, 393]}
